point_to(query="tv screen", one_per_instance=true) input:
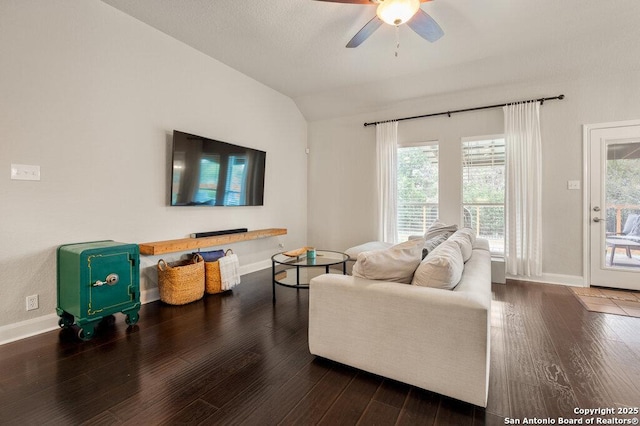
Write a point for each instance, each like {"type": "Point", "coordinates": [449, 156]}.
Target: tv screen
{"type": "Point", "coordinates": [207, 172]}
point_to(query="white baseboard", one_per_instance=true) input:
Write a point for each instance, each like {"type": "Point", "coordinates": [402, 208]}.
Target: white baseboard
{"type": "Point", "coordinates": [150, 295]}
{"type": "Point", "coordinates": [559, 279]}
{"type": "Point", "coordinates": [22, 330]}
{"type": "Point", "coordinates": [255, 267]}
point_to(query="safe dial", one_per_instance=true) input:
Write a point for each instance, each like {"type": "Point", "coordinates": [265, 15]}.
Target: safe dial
{"type": "Point", "coordinates": [112, 279]}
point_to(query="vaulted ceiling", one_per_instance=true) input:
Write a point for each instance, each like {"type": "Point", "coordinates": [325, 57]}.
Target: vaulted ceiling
{"type": "Point", "coordinates": [297, 47]}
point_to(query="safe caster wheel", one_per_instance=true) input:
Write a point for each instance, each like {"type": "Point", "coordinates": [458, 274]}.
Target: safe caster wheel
{"type": "Point", "coordinates": [85, 333]}
{"type": "Point", "coordinates": [65, 320]}
{"type": "Point", "coordinates": [131, 318]}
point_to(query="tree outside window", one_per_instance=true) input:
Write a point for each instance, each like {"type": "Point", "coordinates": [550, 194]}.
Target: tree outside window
{"type": "Point", "coordinates": [417, 177]}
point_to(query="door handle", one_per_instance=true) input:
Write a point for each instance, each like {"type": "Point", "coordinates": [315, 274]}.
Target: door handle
{"type": "Point", "coordinates": [597, 219]}
{"type": "Point", "coordinates": [596, 209]}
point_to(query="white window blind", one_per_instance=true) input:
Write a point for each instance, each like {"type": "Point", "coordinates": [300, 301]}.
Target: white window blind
{"type": "Point", "coordinates": [483, 188]}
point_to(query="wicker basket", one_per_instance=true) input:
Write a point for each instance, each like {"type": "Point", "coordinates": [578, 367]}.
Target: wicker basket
{"type": "Point", "coordinates": [181, 282]}
{"type": "Point", "coordinates": [212, 279]}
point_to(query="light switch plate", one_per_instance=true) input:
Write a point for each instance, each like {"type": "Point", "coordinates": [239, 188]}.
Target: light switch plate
{"type": "Point", "coordinates": [573, 184]}
{"type": "Point", "coordinates": [25, 172]}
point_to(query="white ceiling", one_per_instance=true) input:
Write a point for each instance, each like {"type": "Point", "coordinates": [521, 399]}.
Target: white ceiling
{"type": "Point", "coordinates": [297, 46]}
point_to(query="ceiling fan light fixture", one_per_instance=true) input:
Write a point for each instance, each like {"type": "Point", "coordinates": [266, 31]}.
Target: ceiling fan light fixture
{"type": "Point", "coordinates": [397, 12]}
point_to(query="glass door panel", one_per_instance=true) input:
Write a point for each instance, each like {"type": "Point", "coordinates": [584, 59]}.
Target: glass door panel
{"type": "Point", "coordinates": [622, 201]}
{"type": "Point", "coordinates": [614, 204]}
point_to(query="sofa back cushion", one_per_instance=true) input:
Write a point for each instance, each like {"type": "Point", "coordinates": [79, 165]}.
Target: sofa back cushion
{"type": "Point", "coordinates": [397, 263]}
{"type": "Point", "coordinates": [442, 268]}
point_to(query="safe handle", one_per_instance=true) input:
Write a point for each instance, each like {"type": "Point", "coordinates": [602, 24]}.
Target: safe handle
{"type": "Point", "coordinates": [112, 279]}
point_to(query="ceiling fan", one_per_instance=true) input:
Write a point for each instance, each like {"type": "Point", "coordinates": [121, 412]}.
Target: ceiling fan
{"type": "Point", "coordinates": [396, 12]}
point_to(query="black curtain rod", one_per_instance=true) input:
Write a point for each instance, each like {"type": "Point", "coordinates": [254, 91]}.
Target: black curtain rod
{"type": "Point", "coordinates": [541, 100]}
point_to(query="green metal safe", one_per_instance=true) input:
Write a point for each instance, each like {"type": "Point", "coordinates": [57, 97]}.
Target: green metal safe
{"type": "Point", "coordinates": [95, 280]}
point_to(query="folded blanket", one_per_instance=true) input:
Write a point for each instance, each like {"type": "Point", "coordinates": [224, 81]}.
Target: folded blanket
{"type": "Point", "coordinates": [229, 271]}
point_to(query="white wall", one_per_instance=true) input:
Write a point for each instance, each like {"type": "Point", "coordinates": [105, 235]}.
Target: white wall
{"type": "Point", "coordinates": [342, 204]}
{"type": "Point", "coordinates": [92, 96]}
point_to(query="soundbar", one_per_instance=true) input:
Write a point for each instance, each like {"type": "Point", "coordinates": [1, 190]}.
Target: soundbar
{"type": "Point", "coordinates": [216, 233]}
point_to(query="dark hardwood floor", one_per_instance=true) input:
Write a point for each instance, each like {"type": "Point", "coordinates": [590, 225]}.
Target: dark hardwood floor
{"type": "Point", "coordinates": [238, 359]}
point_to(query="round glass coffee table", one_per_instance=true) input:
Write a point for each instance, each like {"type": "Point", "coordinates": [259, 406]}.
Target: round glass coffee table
{"type": "Point", "coordinates": [296, 272]}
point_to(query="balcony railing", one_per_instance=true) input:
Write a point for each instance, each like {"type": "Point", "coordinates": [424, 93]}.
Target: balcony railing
{"type": "Point", "coordinates": [415, 218]}
{"type": "Point", "coordinates": [617, 216]}
{"type": "Point", "coordinates": [487, 219]}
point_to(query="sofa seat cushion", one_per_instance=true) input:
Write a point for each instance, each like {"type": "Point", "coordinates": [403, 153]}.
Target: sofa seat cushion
{"type": "Point", "coordinates": [442, 268]}
{"type": "Point", "coordinates": [396, 264]}
{"type": "Point", "coordinates": [353, 252]}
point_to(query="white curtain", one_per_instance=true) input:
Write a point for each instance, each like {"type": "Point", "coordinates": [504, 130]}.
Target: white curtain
{"type": "Point", "coordinates": [523, 189]}
{"type": "Point", "coordinates": [386, 145]}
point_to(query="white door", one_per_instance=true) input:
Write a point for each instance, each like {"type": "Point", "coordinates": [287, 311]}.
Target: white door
{"type": "Point", "coordinates": [613, 193]}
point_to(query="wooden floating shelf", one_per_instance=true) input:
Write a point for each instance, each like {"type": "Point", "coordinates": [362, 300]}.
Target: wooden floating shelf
{"type": "Point", "coordinates": [185, 244]}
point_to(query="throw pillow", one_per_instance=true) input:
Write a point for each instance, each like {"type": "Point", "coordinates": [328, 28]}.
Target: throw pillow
{"type": "Point", "coordinates": [434, 242]}
{"type": "Point", "coordinates": [397, 263]}
{"type": "Point", "coordinates": [442, 268]}
{"type": "Point", "coordinates": [438, 228]}
{"type": "Point", "coordinates": [630, 223]}
{"type": "Point", "coordinates": [635, 231]}
{"type": "Point", "coordinates": [470, 233]}
{"type": "Point", "coordinates": [464, 242]}
{"type": "Point", "coordinates": [353, 252]}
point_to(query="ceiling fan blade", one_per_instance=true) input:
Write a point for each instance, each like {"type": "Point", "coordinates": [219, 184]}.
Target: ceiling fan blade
{"type": "Point", "coordinates": [365, 32]}
{"type": "Point", "coordinates": [425, 26]}
{"type": "Point", "coordinates": [348, 1]}
{"type": "Point", "coordinates": [359, 1]}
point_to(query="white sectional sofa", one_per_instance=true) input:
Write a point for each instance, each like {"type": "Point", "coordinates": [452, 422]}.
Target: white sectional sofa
{"type": "Point", "coordinates": [432, 338]}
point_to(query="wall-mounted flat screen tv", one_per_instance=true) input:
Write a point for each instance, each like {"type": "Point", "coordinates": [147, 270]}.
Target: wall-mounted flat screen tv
{"type": "Point", "coordinates": [208, 172]}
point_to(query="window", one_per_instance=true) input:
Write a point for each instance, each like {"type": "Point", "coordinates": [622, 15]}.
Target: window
{"type": "Point", "coordinates": [483, 188]}
{"type": "Point", "coordinates": [235, 192]}
{"type": "Point", "coordinates": [417, 178]}
{"type": "Point", "coordinates": [209, 172]}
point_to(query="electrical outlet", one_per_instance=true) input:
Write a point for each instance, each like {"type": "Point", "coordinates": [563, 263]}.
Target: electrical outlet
{"type": "Point", "coordinates": [573, 184]}
{"type": "Point", "coordinates": [25, 172]}
{"type": "Point", "coordinates": [32, 302]}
